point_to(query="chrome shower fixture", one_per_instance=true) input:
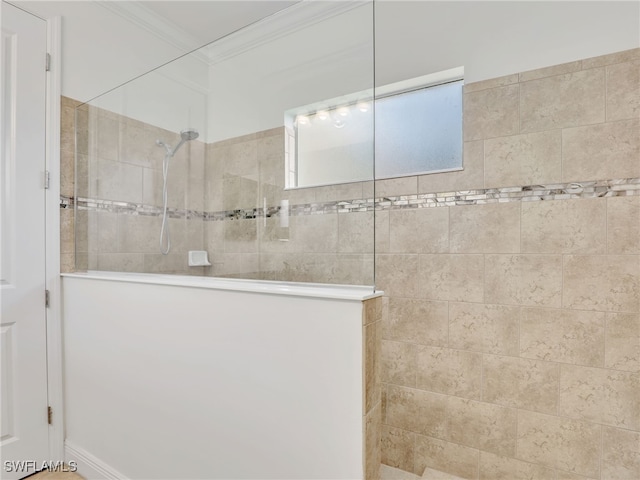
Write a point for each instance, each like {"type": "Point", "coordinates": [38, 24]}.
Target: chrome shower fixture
{"type": "Point", "coordinates": [185, 136]}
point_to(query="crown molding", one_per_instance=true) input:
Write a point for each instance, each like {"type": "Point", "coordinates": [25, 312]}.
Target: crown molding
{"type": "Point", "coordinates": [297, 17]}
{"type": "Point", "coordinates": [145, 18]}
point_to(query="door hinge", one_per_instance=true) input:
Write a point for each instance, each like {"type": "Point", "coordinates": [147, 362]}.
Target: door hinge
{"type": "Point", "coordinates": [47, 66]}
{"type": "Point", "coordinates": [50, 415]}
{"type": "Point", "coordinates": [47, 179]}
{"type": "Point", "coordinates": [46, 298]}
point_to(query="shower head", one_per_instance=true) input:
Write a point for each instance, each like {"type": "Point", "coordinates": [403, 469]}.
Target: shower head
{"type": "Point", "coordinates": [185, 136]}
{"type": "Point", "coordinates": [189, 134]}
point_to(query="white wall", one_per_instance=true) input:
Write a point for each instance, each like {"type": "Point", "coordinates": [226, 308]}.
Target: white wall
{"type": "Point", "coordinates": [183, 382]}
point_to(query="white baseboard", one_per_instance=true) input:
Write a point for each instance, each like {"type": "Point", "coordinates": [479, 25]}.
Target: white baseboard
{"type": "Point", "coordinates": [89, 466]}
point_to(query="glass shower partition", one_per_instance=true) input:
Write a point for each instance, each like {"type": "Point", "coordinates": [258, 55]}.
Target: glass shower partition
{"type": "Point", "coordinates": [277, 183]}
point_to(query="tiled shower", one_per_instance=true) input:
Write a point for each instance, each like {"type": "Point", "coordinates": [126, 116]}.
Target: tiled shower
{"type": "Point", "coordinates": [511, 334]}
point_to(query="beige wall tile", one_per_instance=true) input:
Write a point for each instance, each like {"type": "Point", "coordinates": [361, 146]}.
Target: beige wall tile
{"type": "Point", "coordinates": [492, 228]}
{"type": "Point", "coordinates": [567, 336]}
{"type": "Point", "coordinates": [608, 283]}
{"type": "Point", "coordinates": [171, 263]}
{"type": "Point", "coordinates": [397, 275]}
{"type": "Point", "coordinates": [214, 237]}
{"type": "Point", "coordinates": [623, 225]}
{"type": "Point", "coordinates": [622, 342]}
{"type": "Point", "coordinates": [623, 90]}
{"type": "Point", "coordinates": [119, 181]}
{"type": "Point", "coordinates": [240, 193]}
{"type": "Point", "coordinates": [570, 445]}
{"type": "Point", "coordinates": [138, 145]}
{"type": "Point", "coordinates": [611, 58]}
{"type": "Point", "coordinates": [419, 230]}
{"type": "Point", "coordinates": [416, 411]}
{"type": "Point", "coordinates": [482, 425]}
{"type": "Point", "coordinates": [445, 457]}
{"type": "Point", "coordinates": [121, 262]}
{"type": "Point", "coordinates": [345, 191]}
{"type": "Point", "coordinates": [453, 372]}
{"type": "Point", "coordinates": [67, 263]}
{"type": "Point", "coordinates": [452, 277]}
{"type": "Point", "coordinates": [495, 467]}
{"type": "Point", "coordinates": [399, 363]}
{"type": "Point", "coordinates": [551, 71]}
{"type": "Point", "coordinates": [524, 279]}
{"type": "Point", "coordinates": [527, 159]}
{"type": "Point", "coordinates": [67, 231]}
{"type": "Point", "coordinates": [382, 239]}
{"type": "Point", "coordinates": [472, 177]}
{"type": "Point", "coordinates": [609, 150]}
{"type": "Point", "coordinates": [372, 358]}
{"type": "Point", "coordinates": [600, 395]}
{"type": "Point", "coordinates": [484, 328]}
{"type": "Point", "coordinates": [373, 310]}
{"type": "Point", "coordinates": [372, 438]}
{"type": "Point", "coordinates": [491, 113]}
{"type": "Point", "coordinates": [417, 321]}
{"type": "Point", "coordinates": [564, 226]}
{"type": "Point", "coordinates": [398, 448]}
{"type": "Point", "coordinates": [620, 454]}
{"type": "Point", "coordinates": [396, 186]}
{"type": "Point", "coordinates": [106, 239]}
{"type": "Point", "coordinates": [304, 233]}
{"type": "Point", "coordinates": [241, 236]}
{"type": "Point", "coordinates": [520, 383]}
{"type": "Point", "coordinates": [234, 264]}
{"type": "Point", "coordinates": [491, 83]}
{"type": "Point", "coordinates": [562, 101]}
{"type": "Point", "coordinates": [108, 138]}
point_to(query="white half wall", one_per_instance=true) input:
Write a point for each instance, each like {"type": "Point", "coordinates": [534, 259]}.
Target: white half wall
{"type": "Point", "coordinates": [174, 382]}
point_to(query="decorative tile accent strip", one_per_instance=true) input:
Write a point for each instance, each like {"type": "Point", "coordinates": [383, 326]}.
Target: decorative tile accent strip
{"type": "Point", "coordinates": [528, 193]}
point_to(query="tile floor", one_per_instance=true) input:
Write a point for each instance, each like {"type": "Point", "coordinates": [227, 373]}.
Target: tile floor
{"type": "Point", "coordinates": [45, 475]}
{"type": "Point", "coordinates": [390, 473]}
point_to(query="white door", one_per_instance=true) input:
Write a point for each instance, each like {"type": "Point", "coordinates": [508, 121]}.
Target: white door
{"type": "Point", "coordinates": [23, 361]}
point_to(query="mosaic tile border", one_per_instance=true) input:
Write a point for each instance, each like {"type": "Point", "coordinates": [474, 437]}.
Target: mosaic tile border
{"type": "Point", "coordinates": [528, 193]}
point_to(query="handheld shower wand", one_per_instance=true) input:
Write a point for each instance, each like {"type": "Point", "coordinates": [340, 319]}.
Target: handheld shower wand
{"type": "Point", "coordinates": [185, 136]}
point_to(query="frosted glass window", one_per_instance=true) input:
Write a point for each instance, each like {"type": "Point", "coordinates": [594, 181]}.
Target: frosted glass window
{"type": "Point", "coordinates": [416, 132]}
{"type": "Point", "coordinates": [419, 131]}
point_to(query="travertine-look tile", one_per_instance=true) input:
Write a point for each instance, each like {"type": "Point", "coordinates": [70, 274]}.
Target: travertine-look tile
{"type": "Point", "coordinates": [417, 321]}
{"type": "Point", "coordinates": [119, 181]}
{"type": "Point", "coordinates": [333, 193]}
{"type": "Point", "coordinates": [562, 101]}
{"type": "Point", "coordinates": [471, 177]}
{"type": "Point", "coordinates": [382, 239]}
{"type": "Point", "coordinates": [564, 226]}
{"type": "Point", "coordinates": [355, 232]}
{"type": "Point", "coordinates": [445, 457]}
{"type": "Point", "coordinates": [453, 372]}
{"type": "Point", "coordinates": [305, 237]}
{"type": "Point", "coordinates": [570, 445]}
{"type": "Point", "coordinates": [496, 467]}
{"type": "Point", "coordinates": [372, 357]}
{"type": "Point", "coordinates": [608, 282]}
{"type": "Point", "coordinates": [527, 159]}
{"type": "Point", "coordinates": [419, 230]}
{"type": "Point", "coordinates": [551, 71]}
{"type": "Point", "coordinates": [171, 263]}
{"type": "Point", "coordinates": [492, 228]}
{"type": "Point", "coordinates": [620, 454]}
{"type": "Point", "coordinates": [491, 113]}
{"type": "Point", "coordinates": [121, 262]}
{"type": "Point", "coordinates": [524, 279]}
{"type": "Point", "coordinates": [68, 263]}
{"type": "Point", "coordinates": [108, 138]}
{"type": "Point", "coordinates": [397, 275]}
{"type": "Point", "coordinates": [67, 231]}
{"type": "Point", "coordinates": [600, 395]}
{"type": "Point", "coordinates": [567, 336]}
{"type": "Point", "coordinates": [622, 344]}
{"type": "Point", "coordinates": [484, 328]}
{"type": "Point", "coordinates": [372, 441]}
{"type": "Point", "coordinates": [452, 277]}
{"type": "Point", "coordinates": [604, 151]}
{"type": "Point", "coordinates": [482, 425]}
{"type": "Point", "coordinates": [396, 186]}
{"type": "Point", "coordinates": [392, 473]}
{"type": "Point", "coordinates": [520, 383]}
{"type": "Point", "coordinates": [241, 236]}
{"type": "Point", "coordinates": [240, 192]}
{"type": "Point", "coordinates": [416, 411]}
{"type": "Point", "coordinates": [373, 310]}
{"type": "Point", "coordinates": [611, 58]}
{"type": "Point", "coordinates": [398, 363]}
{"type": "Point", "coordinates": [106, 240]}
{"type": "Point", "coordinates": [398, 448]}
{"type": "Point", "coordinates": [491, 83]}
{"type": "Point", "coordinates": [623, 90]}
{"type": "Point", "coordinates": [623, 225]}
{"type": "Point", "coordinates": [138, 145]}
